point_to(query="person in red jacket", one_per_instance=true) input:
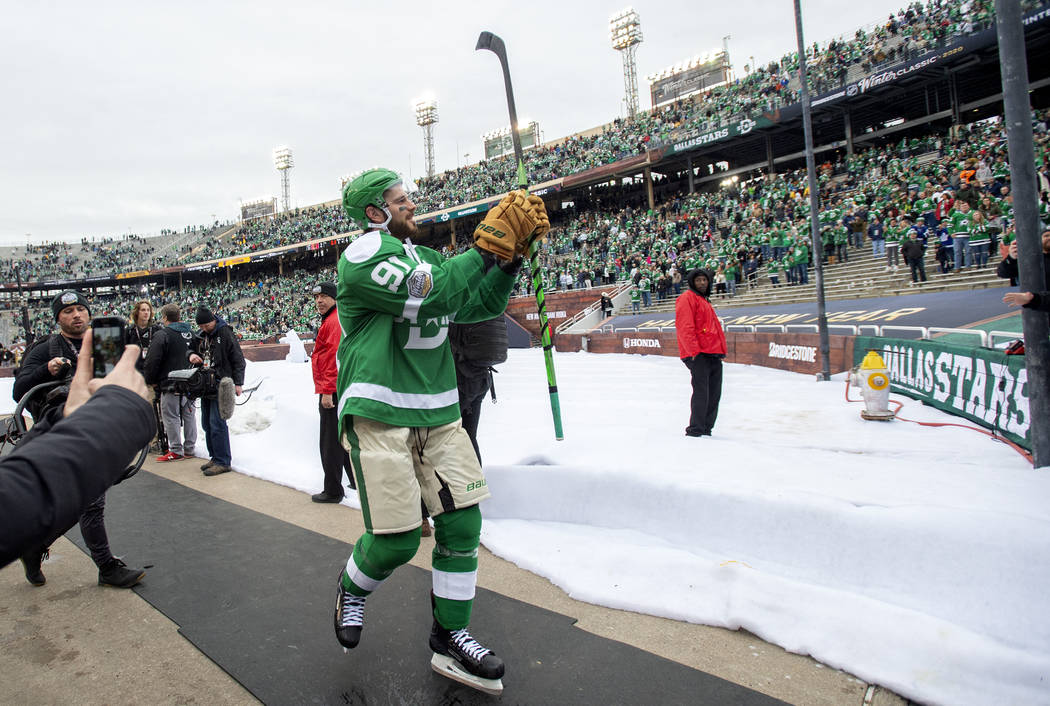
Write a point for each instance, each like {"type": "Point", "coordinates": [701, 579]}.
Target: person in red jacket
{"type": "Point", "coordinates": [701, 346]}
{"type": "Point", "coordinates": [334, 458]}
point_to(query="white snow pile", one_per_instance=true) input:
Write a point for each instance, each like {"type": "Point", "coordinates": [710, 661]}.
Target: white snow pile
{"type": "Point", "coordinates": [296, 348]}
{"type": "Point", "coordinates": [256, 412]}
{"type": "Point", "coordinates": [914, 557]}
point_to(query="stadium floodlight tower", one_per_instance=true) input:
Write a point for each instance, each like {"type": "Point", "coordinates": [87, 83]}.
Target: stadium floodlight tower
{"type": "Point", "coordinates": [426, 118]}
{"type": "Point", "coordinates": [625, 31]}
{"type": "Point", "coordinates": [282, 159]}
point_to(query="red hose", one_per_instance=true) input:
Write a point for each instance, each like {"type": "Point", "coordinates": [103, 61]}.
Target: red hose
{"type": "Point", "coordinates": [1027, 456]}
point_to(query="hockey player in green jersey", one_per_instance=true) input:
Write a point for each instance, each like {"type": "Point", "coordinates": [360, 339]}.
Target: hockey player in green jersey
{"type": "Point", "coordinates": [398, 403]}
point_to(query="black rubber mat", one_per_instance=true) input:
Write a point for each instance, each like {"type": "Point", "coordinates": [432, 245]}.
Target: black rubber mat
{"type": "Point", "coordinates": [257, 595]}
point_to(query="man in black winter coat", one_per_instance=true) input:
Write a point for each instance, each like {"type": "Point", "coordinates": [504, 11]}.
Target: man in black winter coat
{"type": "Point", "coordinates": [217, 347]}
{"type": "Point", "coordinates": [44, 487]}
{"type": "Point", "coordinates": [53, 359]}
{"type": "Point", "coordinates": [914, 253]}
{"type": "Point", "coordinates": [1009, 269]}
{"type": "Point", "coordinates": [170, 351]}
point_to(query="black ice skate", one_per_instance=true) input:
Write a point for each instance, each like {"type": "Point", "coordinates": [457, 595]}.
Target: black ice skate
{"type": "Point", "coordinates": [349, 618]}
{"type": "Point", "coordinates": [459, 656]}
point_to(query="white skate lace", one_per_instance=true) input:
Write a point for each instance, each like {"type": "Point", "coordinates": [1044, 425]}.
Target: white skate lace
{"type": "Point", "coordinates": [468, 645]}
{"type": "Point", "coordinates": [351, 610]}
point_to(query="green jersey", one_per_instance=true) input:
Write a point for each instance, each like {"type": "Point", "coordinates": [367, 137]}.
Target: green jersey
{"type": "Point", "coordinates": [960, 223]}
{"type": "Point", "coordinates": [979, 234]}
{"type": "Point", "coordinates": [396, 301]}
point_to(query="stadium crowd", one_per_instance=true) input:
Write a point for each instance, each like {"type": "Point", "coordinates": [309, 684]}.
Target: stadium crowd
{"type": "Point", "coordinates": [913, 30]}
{"type": "Point", "coordinates": [886, 195]}
{"type": "Point", "coordinates": [872, 204]}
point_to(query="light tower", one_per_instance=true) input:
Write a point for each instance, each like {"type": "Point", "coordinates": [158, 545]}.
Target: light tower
{"type": "Point", "coordinates": [426, 118]}
{"type": "Point", "coordinates": [282, 159]}
{"type": "Point", "coordinates": [625, 31]}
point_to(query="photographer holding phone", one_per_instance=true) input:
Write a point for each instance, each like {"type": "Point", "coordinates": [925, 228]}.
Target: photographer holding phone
{"type": "Point", "coordinates": [53, 359]}
{"type": "Point", "coordinates": [44, 487]}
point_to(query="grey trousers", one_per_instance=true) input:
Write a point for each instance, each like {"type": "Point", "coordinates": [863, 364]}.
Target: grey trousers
{"type": "Point", "coordinates": [180, 422]}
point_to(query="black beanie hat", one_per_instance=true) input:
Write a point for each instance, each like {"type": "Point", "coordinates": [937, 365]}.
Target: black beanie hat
{"type": "Point", "coordinates": [68, 298]}
{"type": "Point", "coordinates": [204, 315]}
{"type": "Point", "coordinates": [327, 288]}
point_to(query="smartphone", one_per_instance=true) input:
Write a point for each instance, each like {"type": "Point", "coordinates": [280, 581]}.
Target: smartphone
{"type": "Point", "coordinates": [107, 343]}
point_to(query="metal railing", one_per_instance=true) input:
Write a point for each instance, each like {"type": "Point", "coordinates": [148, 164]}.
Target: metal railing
{"type": "Point", "coordinates": [1009, 335]}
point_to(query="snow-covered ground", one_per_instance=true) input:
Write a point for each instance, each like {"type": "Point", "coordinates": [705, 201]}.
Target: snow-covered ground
{"type": "Point", "coordinates": [913, 557]}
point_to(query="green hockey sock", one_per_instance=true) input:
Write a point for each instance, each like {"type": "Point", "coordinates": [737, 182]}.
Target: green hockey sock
{"type": "Point", "coordinates": [375, 557]}
{"type": "Point", "coordinates": [455, 565]}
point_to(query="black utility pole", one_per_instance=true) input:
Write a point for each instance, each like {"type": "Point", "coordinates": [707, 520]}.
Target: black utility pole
{"type": "Point", "coordinates": [1018, 116]}
{"type": "Point", "coordinates": [814, 201]}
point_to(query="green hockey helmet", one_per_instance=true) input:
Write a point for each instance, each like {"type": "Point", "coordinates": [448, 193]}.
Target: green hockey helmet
{"type": "Point", "coordinates": [366, 189]}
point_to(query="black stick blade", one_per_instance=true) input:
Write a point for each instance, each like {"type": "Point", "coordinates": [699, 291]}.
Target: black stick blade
{"type": "Point", "coordinates": [489, 41]}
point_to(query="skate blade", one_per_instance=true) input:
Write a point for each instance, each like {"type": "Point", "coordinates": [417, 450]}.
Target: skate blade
{"type": "Point", "coordinates": [448, 667]}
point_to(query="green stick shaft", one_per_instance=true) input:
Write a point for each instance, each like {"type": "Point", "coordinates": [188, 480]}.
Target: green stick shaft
{"type": "Point", "coordinates": [545, 336]}
{"type": "Point", "coordinates": [491, 42]}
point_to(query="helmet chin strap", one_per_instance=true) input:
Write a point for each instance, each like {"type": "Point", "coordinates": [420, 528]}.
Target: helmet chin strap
{"type": "Point", "coordinates": [385, 225]}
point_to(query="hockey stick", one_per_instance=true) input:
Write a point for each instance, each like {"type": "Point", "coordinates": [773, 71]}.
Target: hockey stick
{"type": "Point", "coordinates": [494, 44]}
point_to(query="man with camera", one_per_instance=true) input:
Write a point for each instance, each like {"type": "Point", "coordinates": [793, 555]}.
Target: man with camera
{"type": "Point", "coordinates": [53, 359]}
{"type": "Point", "coordinates": [217, 347]}
{"type": "Point", "coordinates": [44, 487]}
{"type": "Point", "coordinates": [170, 351]}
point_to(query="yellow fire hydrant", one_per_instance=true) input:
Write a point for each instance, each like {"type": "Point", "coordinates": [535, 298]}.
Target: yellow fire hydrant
{"type": "Point", "coordinates": [873, 379]}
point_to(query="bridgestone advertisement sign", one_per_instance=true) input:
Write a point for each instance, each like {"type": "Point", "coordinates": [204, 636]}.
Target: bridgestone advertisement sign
{"type": "Point", "coordinates": [982, 385]}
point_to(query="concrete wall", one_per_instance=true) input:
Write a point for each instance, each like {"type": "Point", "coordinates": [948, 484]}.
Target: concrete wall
{"type": "Point", "coordinates": [560, 306]}
{"type": "Point", "coordinates": [796, 352]}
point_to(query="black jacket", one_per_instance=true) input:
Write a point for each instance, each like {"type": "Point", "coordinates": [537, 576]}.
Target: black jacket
{"type": "Point", "coordinates": [221, 350]}
{"type": "Point", "coordinates": [44, 487]}
{"type": "Point", "coordinates": [1009, 268]}
{"type": "Point", "coordinates": [169, 350]}
{"type": "Point", "coordinates": [141, 337]}
{"type": "Point", "coordinates": [34, 366]}
{"type": "Point", "coordinates": [912, 250]}
{"type": "Point", "coordinates": [1040, 302]}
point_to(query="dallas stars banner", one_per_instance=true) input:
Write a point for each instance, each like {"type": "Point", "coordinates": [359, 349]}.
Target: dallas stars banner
{"type": "Point", "coordinates": [983, 385]}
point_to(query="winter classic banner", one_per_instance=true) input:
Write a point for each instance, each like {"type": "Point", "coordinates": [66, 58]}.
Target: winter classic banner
{"type": "Point", "coordinates": [984, 385]}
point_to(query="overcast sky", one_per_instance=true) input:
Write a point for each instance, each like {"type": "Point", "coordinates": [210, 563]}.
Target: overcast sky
{"type": "Point", "coordinates": [131, 117]}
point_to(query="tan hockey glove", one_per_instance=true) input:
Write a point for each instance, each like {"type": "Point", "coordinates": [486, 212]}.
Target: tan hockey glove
{"type": "Point", "coordinates": [507, 227]}
{"type": "Point", "coordinates": [538, 211]}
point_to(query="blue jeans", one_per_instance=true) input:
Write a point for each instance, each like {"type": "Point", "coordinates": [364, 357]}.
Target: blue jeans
{"type": "Point", "coordinates": [962, 247]}
{"type": "Point", "coordinates": [647, 299]}
{"type": "Point", "coordinates": [878, 247]}
{"type": "Point", "coordinates": [803, 272]}
{"type": "Point", "coordinates": [980, 253]}
{"type": "Point", "coordinates": [216, 433]}
{"type": "Point", "coordinates": [767, 252]}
